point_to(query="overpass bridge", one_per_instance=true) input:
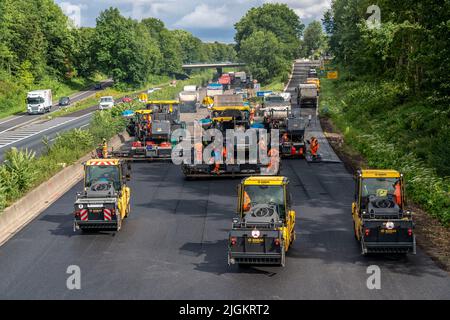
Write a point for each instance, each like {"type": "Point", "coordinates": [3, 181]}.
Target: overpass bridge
{"type": "Point", "coordinates": [218, 65]}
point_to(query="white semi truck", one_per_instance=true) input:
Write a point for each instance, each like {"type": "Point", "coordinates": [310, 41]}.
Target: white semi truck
{"type": "Point", "coordinates": [39, 101]}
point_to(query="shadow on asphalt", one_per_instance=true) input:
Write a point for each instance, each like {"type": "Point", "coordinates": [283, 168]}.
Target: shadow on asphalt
{"type": "Point", "coordinates": [215, 259]}
{"type": "Point", "coordinates": [65, 227]}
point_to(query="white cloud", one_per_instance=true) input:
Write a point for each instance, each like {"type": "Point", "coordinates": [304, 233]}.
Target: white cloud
{"type": "Point", "coordinates": [204, 17]}
{"type": "Point", "coordinates": [306, 9]}
{"type": "Point", "coordinates": [73, 12]}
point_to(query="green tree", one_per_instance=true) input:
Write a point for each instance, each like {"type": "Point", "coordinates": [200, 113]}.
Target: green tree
{"type": "Point", "coordinates": [313, 39]}
{"type": "Point", "coordinates": [191, 47]}
{"type": "Point", "coordinates": [169, 47]}
{"type": "Point", "coordinates": [279, 19]}
{"type": "Point", "coordinates": [263, 54]}
{"type": "Point", "coordinates": [83, 54]}
{"type": "Point", "coordinates": [123, 49]}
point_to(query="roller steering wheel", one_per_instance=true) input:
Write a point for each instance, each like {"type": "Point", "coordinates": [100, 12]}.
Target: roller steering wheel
{"type": "Point", "coordinates": [100, 186]}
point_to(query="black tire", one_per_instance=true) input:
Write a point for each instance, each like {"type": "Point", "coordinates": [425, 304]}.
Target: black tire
{"type": "Point", "coordinates": [354, 231]}
{"type": "Point", "coordinates": [128, 210]}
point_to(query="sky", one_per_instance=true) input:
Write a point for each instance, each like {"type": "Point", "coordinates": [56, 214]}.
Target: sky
{"type": "Point", "coordinates": [210, 20]}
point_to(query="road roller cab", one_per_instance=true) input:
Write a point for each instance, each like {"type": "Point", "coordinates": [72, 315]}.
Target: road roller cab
{"type": "Point", "coordinates": [265, 227]}
{"type": "Point", "coordinates": [382, 224]}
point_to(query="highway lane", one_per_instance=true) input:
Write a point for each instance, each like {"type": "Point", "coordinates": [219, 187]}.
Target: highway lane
{"type": "Point", "coordinates": [173, 246]}
{"type": "Point", "coordinates": [29, 134]}
{"type": "Point", "coordinates": [33, 139]}
{"type": "Point", "coordinates": [22, 119]}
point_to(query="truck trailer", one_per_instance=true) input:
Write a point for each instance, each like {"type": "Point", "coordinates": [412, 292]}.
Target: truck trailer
{"type": "Point", "coordinates": [39, 101]}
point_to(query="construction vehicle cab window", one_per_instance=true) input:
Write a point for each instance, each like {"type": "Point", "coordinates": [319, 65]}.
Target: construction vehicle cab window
{"type": "Point", "coordinates": [96, 175]}
{"type": "Point", "coordinates": [263, 194]}
{"type": "Point", "coordinates": [385, 188]}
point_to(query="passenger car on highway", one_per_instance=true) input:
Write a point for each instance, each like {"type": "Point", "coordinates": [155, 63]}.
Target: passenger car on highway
{"type": "Point", "coordinates": [106, 103]}
{"type": "Point", "coordinates": [64, 102]}
{"type": "Point", "coordinates": [151, 90]}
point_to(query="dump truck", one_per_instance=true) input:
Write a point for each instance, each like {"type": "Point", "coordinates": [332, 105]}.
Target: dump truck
{"type": "Point", "coordinates": [188, 97]}
{"type": "Point", "coordinates": [189, 100]}
{"type": "Point", "coordinates": [240, 78]}
{"type": "Point", "coordinates": [315, 81]}
{"type": "Point", "coordinates": [307, 95]}
{"type": "Point", "coordinates": [264, 230]}
{"type": "Point", "coordinates": [152, 129]}
{"type": "Point", "coordinates": [381, 221]}
{"type": "Point", "coordinates": [105, 200]}
{"type": "Point", "coordinates": [225, 81]}
{"type": "Point", "coordinates": [276, 110]}
{"type": "Point", "coordinates": [277, 113]}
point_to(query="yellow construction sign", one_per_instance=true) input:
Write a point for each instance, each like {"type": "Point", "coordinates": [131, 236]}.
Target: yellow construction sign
{"type": "Point", "coordinates": [332, 75]}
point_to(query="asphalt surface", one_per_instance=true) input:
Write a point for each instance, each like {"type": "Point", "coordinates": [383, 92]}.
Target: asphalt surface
{"type": "Point", "coordinates": [173, 246]}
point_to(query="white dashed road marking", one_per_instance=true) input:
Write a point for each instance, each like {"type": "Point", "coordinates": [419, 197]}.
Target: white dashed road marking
{"type": "Point", "coordinates": [13, 136]}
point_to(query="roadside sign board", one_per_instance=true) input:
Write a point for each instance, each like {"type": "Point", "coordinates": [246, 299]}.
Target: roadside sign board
{"type": "Point", "coordinates": [332, 75]}
{"type": "Point", "coordinates": [263, 93]}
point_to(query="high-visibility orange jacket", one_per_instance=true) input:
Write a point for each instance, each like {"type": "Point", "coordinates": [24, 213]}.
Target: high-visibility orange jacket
{"type": "Point", "coordinates": [398, 194]}
{"type": "Point", "coordinates": [314, 147]}
{"type": "Point", "coordinates": [247, 202]}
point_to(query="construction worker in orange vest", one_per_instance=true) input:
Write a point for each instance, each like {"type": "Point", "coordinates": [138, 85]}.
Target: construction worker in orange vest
{"type": "Point", "coordinates": [217, 158]}
{"type": "Point", "coordinates": [274, 156]}
{"type": "Point", "coordinates": [398, 193]}
{"type": "Point", "coordinates": [247, 202]}
{"type": "Point", "coordinates": [314, 147]}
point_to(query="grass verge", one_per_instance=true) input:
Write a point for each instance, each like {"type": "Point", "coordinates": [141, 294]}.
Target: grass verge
{"type": "Point", "coordinates": [163, 82]}
{"type": "Point", "coordinates": [364, 139]}
{"type": "Point", "coordinates": [391, 132]}
{"type": "Point", "coordinates": [12, 94]}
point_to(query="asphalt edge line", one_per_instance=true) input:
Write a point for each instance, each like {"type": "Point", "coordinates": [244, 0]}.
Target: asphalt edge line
{"type": "Point", "coordinates": [44, 130]}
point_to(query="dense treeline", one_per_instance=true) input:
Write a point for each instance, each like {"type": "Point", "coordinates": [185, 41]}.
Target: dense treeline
{"type": "Point", "coordinates": [38, 46]}
{"type": "Point", "coordinates": [268, 39]}
{"type": "Point", "coordinates": [314, 42]}
{"type": "Point", "coordinates": [411, 44]}
{"type": "Point", "coordinates": [392, 99]}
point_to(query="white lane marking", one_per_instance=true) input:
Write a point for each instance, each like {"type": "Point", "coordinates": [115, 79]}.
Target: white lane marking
{"type": "Point", "coordinates": [12, 119]}
{"type": "Point", "coordinates": [43, 130]}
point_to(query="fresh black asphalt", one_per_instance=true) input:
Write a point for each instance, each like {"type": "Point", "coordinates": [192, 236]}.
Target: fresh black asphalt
{"type": "Point", "coordinates": [173, 246]}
